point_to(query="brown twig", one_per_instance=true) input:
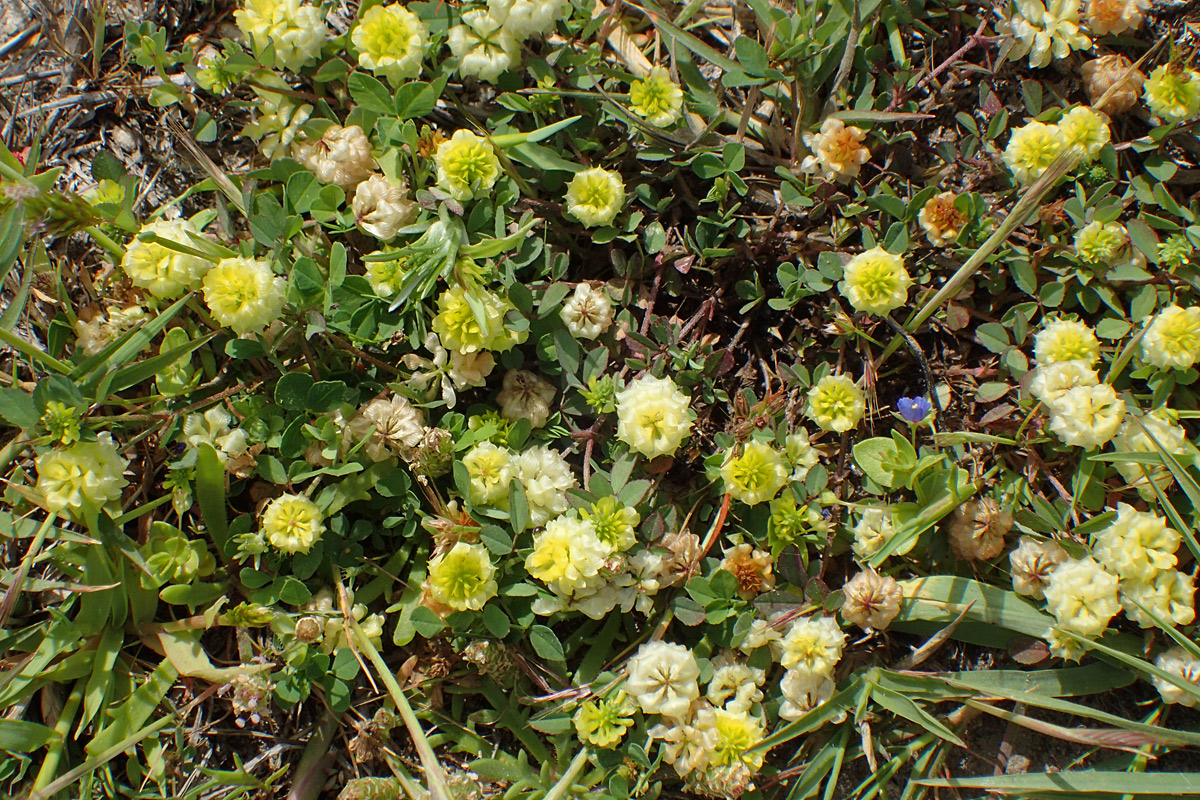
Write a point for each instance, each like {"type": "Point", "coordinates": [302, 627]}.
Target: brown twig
{"type": "Point", "coordinates": [974, 41]}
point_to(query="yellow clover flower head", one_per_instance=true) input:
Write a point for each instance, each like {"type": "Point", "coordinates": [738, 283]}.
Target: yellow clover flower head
{"type": "Point", "coordinates": [1066, 340]}
{"type": "Point", "coordinates": [463, 578]}
{"type": "Point", "coordinates": [243, 294]}
{"type": "Point", "coordinates": [613, 522]}
{"type": "Point", "coordinates": [466, 165]}
{"type": "Point", "coordinates": [1137, 545]}
{"type": "Point", "coordinates": [1169, 596]}
{"type": "Point", "coordinates": [483, 46]}
{"type": "Point", "coordinates": [812, 645]}
{"type": "Point", "coordinates": [1032, 148]}
{"type": "Point", "coordinates": [1086, 129]}
{"type": "Point", "coordinates": [296, 30]}
{"type": "Point", "coordinates": [603, 722]}
{"type": "Point", "coordinates": [459, 328]}
{"type": "Point", "coordinates": [756, 476]}
{"type": "Point", "coordinates": [391, 41]}
{"type": "Point", "coordinates": [836, 403]}
{"type": "Point", "coordinates": [1087, 416]}
{"type": "Point", "coordinates": [385, 277]}
{"type": "Point", "coordinates": [595, 196]}
{"type": "Point", "coordinates": [653, 416]}
{"type": "Point", "coordinates": [875, 282]}
{"type": "Point", "coordinates": [656, 98]}
{"type": "Point", "coordinates": [490, 468]}
{"type": "Point", "coordinates": [1082, 596]}
{"type": "Point", "coordinates": [566, 554]}
{"type": "Point", "coordinates": [1101, 242]}
{"type": "Point", "coordinates": [81, 478]}
{"type": "Point", "coordinates": [1173, 339]}
{"type": "Point", "coordinates": [163, 272]}
{"type": "Point", "coordinates": [731, 737]}
{"type": "Point", "coordinates": [1173, 93]}
{"type": "Point", "coordinates": [292, 523]}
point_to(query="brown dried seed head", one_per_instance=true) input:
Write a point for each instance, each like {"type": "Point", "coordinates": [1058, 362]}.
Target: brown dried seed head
{"type": "Point", "coordinates": [871, 600]}
{"type": "Point", "coordinates": [977, 529]}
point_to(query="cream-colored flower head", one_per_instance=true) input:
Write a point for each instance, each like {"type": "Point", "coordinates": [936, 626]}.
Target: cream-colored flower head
{"type": "Point", "coordinates": [391, 41]}
{"type": "Point", "coordinates": [467, 166]}
{"type": "Point", "coordinates": [292, 523]}
{"type": "Point", "coordinates": [546, 477]}
{"type": "Point", "coordinates": [656, 98]}
{"type": "Point", "coordinates": [1101, 242]}
{"type": "Point", "coordinates": [341, 156]}
{"type": "Point", "coordinates": [213, 428]}
{"type": "Point", "coordinates": [462, 578]}
{"type": "Point", "coordinates": [394, 427]}
{"type": "Point", "coordinates": [875, 282]}
{"type": "Point", "coordinates": [296, 30]}
{"type": "Point", "coordinates": [525, 18]}
{"type": "Point", "coordinates": [1172, 341]}
{"type": "Point", "coordinates": [382, 207]}
{"type": "Point", "coordinates": [871, 600]}
{"type": "Point", "coordinates": [526, 395]}
{"type": "Point", "coordinates": [163, 272]}
{"type": "Point", "coordinates": [1082, 596]}
{"type": "Point", "coordinates": [756, 475]}
{"type": "Point", "coordinates": [812, 645]}
{"type": "Point", "coordinates": [566, 554]}
{"type": "Point", "coordinates": [588, 312]}
{"type": "Point", "coordinates": [490, 469]}
{"type": "Point", "coordinates": [801, 455]}
{"type": "Point", "coordinates": [1031, 564]}
{"type": "Point", "coordinates": [802, 692]}
{"type": "Point", "coordinates": [595, 196]}
{"type": "Point", "coordinates": [1045, 30]}
{"type": "Point", "coordinates": [835, 403]}
{"type": "Point", "coordinates": [941, 219]}
{"type": "Point", "coordinates": [663, 679]}
{"type": "Point", "coordinates": [1052, 381]}
{"type": "Point", "coordinates": [977, 529]}
{"type": "Point", "coordinates": [838, 152]}
{"type": "Point", "coordinates": [1173, 93]}
{"type": "Point", "coordinates": [105, 327]}
{"type": "Point", "coordinates": [1065, 340]}
{"type": "Point", "coordinates": [736, 687]}
{"type": "Point", "coordinates": [1115, 16]}
{"type": "Point", "coordinates": [279, 116]}
{"type": "Point", "coordinates": [1168, 597]}
{"type": "Point", "coordinates": [1156, 431]}
{"type": "Point", "coordinates": [460, 329]}
{"type": "Point", "coordinates": [244, 295]}
{"type": "Point", "coordinates": [1087, 416]}
{"type": "Point", "coordinates": [1186, 667]}
{"type": "Point", "coordinates": [874, 530]}
{"type": "Point", "coordinates": [81, 478]}
{"type": "Point", "coordinates": [483, 47]}
{"type": "Point", "coordinates": [653, 416]}
{"type": "Point", "coordinates": [1031, 149]}
{"type": "Point", "coordinates": [1086, 129]}
{"type": "Point", "coordinates": [1101, 74]}
{"type": "Point", "coordinates": [1137, 545]}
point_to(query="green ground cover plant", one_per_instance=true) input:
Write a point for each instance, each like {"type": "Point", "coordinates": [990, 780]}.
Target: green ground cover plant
{"type": "Point", "coordinates": [562, 398]}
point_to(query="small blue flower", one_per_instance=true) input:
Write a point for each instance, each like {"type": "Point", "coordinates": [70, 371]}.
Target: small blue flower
{"type": "Point", "coordinates": [914, 409]}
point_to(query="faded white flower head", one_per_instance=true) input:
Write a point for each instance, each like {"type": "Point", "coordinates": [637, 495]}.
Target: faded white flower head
{"type": "Point", "coordinates": [663, 679]}
{"type": "Point", "coordinates": [838, 152]}
{"type": "Point", "coordinates": [526, 395]}
{"type": "Point", "coordinates": [588, 313]}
